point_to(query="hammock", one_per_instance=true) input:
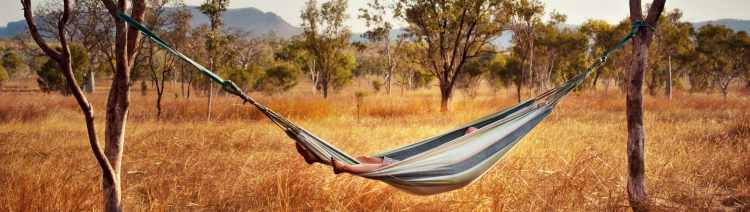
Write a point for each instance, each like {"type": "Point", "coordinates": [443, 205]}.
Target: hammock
{"type": "Point", "coordinates": [439, 164]}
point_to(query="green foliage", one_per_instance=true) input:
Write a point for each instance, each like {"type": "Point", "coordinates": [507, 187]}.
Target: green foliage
{"type": "Point", "coordinates": [505, 71]}
{"type": "Point", "coordinates": [342, 69]}
{"type": "Point", "coordinates": [3, 76]}
{"type": "Point", "coordinates": [244, 78]}
{"type": "Point", "coordinates": [453, 31]}
{"type": "Point", "coordinates": [721, 56]}
{"type": "Point", "coordinates": [213, 9]}
{"type": "Point", "coordinates": [673, 48]}
{"type": "Point", "coordinates": [279, 78]}
{"type": "Point", "coordinates": [325, 38]}
{"type": "Point", "coordinates": [369, 64]}
{"type": "Point", "coordinates": [474, 68]}
{"type": "Point", "coordinates": [51, 77]}
{"type": "Point", "coordinates": [11, 62]}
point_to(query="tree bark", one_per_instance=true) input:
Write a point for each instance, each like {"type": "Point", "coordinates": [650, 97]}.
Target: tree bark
{"type": "Point", "coordinates": [669, 77]}
{"type": "Point", "coordinates": [391, 66]}
{"type": "Point", "coordinates": [445, 97]}
{"type": "Point", "coordinates": [118, 102]}
{"type": "Point", "coordinates": [90, 82]}
{"type": "Point", "coordinates": [110, 173]}
{"type": "Point", "coordinates": [634, 104]}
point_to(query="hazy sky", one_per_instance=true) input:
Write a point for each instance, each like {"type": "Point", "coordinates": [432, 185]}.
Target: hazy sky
{"type": "Point", "coordinates": [576, 10]}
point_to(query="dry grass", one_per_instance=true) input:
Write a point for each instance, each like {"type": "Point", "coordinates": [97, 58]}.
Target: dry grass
{"type": "Point", "coordinates": [697, 154]}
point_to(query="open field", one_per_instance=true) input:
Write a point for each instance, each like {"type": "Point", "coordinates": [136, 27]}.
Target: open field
{"type": "Point", "coordinates": [697, 153]}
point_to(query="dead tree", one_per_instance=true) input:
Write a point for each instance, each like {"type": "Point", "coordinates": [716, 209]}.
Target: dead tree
{"type": "Point", "coordinates": [634, 109]}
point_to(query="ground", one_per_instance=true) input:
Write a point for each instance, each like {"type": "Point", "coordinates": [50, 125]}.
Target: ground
{"type": "Point", "coordinates": [696, 154]}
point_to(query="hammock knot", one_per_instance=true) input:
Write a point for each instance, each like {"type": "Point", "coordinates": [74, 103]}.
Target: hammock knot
{"type": "Point", "coordinates": [232, 88]}
{"type": "Point", "coordinates": [636, 25]}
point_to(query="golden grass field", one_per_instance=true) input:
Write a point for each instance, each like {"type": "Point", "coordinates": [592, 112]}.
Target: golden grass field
{"type": "Point", "coordinates": [697, 154]}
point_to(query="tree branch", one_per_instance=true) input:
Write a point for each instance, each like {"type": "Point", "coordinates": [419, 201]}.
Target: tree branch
{"type": "Point", "coordinates": [34, 31]}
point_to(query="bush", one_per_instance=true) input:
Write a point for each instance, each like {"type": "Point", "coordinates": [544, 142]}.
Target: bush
{"type": "Point", "coordinates": [51, 78]}
{"type": "Point", "coordinates": [3, 75]}
{"type": "Point", "coordinates": [278, 79]}
{"type": "Point", "coordinates": [11, 62]}
{"type": "Point", "coordinates": [244, 78]}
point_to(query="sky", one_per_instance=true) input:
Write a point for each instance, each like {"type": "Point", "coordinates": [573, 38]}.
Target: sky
{"type": "Point", "coordinates": [577, 10]}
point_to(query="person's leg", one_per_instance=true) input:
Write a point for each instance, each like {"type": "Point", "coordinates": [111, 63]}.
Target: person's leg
{"type": "Point", "coordinates": [339, 167]}
{"type": "Point", "coordinates": [370, 159]}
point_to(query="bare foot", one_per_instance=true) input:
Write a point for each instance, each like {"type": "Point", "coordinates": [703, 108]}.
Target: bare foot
{"type": "Point", "coordinates": [309, 158]}
{"type": "Point", "coordinates": [471, 130]}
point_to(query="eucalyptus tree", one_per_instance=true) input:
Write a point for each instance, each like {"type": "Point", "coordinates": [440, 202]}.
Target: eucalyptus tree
{"type": "Point", "coordinates": [453, 32]}
{"type": "Point", "coordinates": [118, 101]}
{"type": "Point", "coordinates": [160, 65]}
{"type": "Point", "coordinates": [525, 21]}
{"type": "Point", "coordinates": [376, 19]}
{"type": "Point", "coordinates": [89, 18]}
{"type": "Point", "coordinates": [720, 52]}
{"type": "Point", "coordinates": [326, 38]}
{"type": "Point", "coordinates": [673, 52]}
{"type": "Point", "coordinates": [213, 9]}
{"type": "Point", "coordinates": [634, 101]}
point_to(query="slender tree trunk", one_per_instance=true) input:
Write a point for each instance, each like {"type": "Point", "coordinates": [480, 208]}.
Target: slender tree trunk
{"type": "Point", "coordinates": [518, 91]}
{"type": "Point", "coordinates": [126, 46]}
{"type": "Point", "coordinates": [634, 105]}
{"type": "Point", "coordinates": [389, 72]}
{"type": "Point", "coordinates": [669, 78]}
{"type": "Point", "coordinates": [532, 81]}
{"type": "Point", "coordinates": [109, 176]}
{"type": "Point", "coordinates": [445, 97]}
{"type": "Point", "coordinates": [210, 99]}
{"type": "Point", "coordinates": [314, 77]}
{"type": "Point", "coordinates": [90, 86]}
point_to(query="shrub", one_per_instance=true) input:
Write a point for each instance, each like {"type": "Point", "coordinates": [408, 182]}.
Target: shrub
{"type": "Point", "coordinates": [51, 78]}
{"type": "Point", "coordinates": [11, 62]}
{"type": "Point", "coordinates": [3, 75]}
{"type": "Point", "coordinates": [278, 78]}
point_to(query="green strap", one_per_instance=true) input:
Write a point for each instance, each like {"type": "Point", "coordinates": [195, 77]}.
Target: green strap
{"type": "Point", "coordinates": [227, 85]}
{"type": "Point", "coordinates": [635, 26]}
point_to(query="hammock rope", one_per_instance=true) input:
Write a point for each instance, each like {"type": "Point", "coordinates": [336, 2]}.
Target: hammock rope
{"type": "Point", "coordinates": [439, 164]}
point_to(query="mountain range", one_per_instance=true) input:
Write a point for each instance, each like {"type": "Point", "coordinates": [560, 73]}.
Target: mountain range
{"type": "Point", "coordinates": [249, 20]}
{"type": "Point", "coordinates": [256, 23]}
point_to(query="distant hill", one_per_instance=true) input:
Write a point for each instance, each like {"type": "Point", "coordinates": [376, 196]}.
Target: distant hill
{"type": "Point", "coordinates": [12, 29]}
{"type": "Point", "coordinates": [250, 20]}
{"type": "Point", "coordinates": [735, 24]}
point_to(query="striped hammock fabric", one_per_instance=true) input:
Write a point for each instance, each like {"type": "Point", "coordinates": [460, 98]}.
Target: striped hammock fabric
{"type": "Point", "coordinates": [454, 159]}
{"type": "Point", "coordinates": [439, 164]}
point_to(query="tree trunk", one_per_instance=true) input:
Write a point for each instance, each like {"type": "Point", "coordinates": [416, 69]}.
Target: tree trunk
{"type": "Point", "coordinates": [389, 72]}
{"type": "Point", "coordinates": [532, 81]}
{"type": "Point", "coordinates": [518, 91]}
{"type": "Point", "coordinates": [126, 44]}
{"type": "Point", "coordinates": [634, 105]}
{"type": "Point", "coordinates": [324, 87]}
{"type": "Point", "coordinates": [89, 85]}
{"type": "Point", "coordinates": [668, 92]}
{"type": "Point", "coordinates": [636, 133]}
{"type": "Point", "coordinates": [210, 99]}
{"type": "Point", "coordinates": [445, 97]}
